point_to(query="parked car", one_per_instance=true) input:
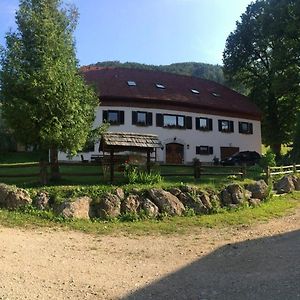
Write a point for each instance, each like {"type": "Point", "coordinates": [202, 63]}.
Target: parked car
{"type": "Point", "coordinates": [248, 158]}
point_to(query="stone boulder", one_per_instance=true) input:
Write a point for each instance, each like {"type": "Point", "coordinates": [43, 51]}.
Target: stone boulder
{"type": "Point", "coordinates": [13, 198]}
{"type": "Point", "coordinates": [254, 202]}
{"type": "Point", "coordinates": [120, 193]}
{"type": "Point", "coordinates": [296, 181]}
{"type": "Point", "coordinates": [285, 185]}
{"type": "Point", "coordinates": [149, 208]}
{"type": "Point", "coordinates": [109, 207]}
{"type": "Point", "coordinates": [192, 202]}
{"type": "Point", "coordinates": [259, 189]}
{"type": "Point", "coordinates": [42, 201]}
{"type": "Point", "coordinates": [78, 208]}
{"type": "Point", "coordinates": [234, 194]}
{"type": "Point", "coordinates": [175, 191]}
{"type": "Point", "coordinates": [205, 199]}
{"type": "Point", "coordinates": [166, 202]}
{"type": "Point", "coordinates": [130, 204]}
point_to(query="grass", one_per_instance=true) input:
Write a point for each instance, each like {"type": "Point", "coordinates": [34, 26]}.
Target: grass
{"type": "Point", "coordinates": [274, 208]}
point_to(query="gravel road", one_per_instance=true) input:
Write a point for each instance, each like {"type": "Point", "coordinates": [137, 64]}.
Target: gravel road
{"type": "Point", "coordinates": [248, 262]}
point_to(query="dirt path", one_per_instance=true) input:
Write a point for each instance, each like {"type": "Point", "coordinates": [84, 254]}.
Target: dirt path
{"type": "Point", "coordinates": [50, 264]}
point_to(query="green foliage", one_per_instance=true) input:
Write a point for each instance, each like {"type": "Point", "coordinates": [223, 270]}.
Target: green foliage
{"type": "Point", "coordinates": [205, 71]}
{"type": "Point", "coordinates": [45, 100]}
{"type": "Point", "coordinates": [263, 54]}
{"type": "Point", "coordinates": [135, 174]}
{"type": "Point", "coordinates": [268, 159]}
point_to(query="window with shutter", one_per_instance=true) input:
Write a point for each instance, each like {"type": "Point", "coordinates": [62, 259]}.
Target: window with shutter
{"type": "Point", "coordinates": [245, 128]}
{"type": "Point", "coordinates": [113, 117]}
{"type": "Point", "coordinates": [204, 124]}
{"type": "Point", "coordinates": [204, 150]}
{"type": "Point", "coordinates": [226, 126]}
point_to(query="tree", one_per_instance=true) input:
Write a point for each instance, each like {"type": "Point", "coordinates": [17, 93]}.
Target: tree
{"type": "Point", "coordinates": [263, 54]}
{"type": "Point", "coordinates": [45, 100]}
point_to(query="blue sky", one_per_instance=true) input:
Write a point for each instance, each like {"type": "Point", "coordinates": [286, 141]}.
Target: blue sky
{"type": "Point", "coordinates": [147, 31]}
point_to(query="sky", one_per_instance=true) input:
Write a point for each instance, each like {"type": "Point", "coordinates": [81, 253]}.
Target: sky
{"type": "Point", "coordinates": [155, 32]}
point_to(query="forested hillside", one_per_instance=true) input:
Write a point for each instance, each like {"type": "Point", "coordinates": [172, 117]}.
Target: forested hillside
{"type": "Point", "coordinates": [206, 71]}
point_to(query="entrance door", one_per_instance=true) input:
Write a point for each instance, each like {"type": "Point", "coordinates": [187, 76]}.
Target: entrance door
{"type": "Point", "coordinates": [174, 153]}
{"type": "Point", "coordinates": [228, 151]}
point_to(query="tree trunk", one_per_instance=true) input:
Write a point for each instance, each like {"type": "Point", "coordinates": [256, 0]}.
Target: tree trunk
{"type": "Point", "coordinates": [54, 166]}
{"type": "Point", "coordinates": [276, 148]}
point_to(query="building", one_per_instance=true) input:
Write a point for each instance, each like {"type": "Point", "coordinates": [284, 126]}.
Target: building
{"type": "Point", "coordinates": [193, 117]}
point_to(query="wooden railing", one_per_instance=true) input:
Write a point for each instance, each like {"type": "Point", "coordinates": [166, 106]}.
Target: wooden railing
{"type": "Point", "coordinates": [282, 170]}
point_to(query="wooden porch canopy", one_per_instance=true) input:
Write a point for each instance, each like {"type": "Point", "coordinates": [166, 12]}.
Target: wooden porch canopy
{"type": "Point", "coordinates": [126, 141]}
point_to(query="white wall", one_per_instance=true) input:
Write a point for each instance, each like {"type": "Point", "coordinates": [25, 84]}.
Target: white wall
{"type": "Point", "coordinates": [190, 138]}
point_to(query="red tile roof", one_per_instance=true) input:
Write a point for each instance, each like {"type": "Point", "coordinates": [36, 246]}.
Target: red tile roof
{"type": "Point", "coordinates": [111, 83]}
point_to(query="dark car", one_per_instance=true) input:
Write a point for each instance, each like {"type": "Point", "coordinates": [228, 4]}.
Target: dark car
{"type": "Point", "coordinates": [248, 158]}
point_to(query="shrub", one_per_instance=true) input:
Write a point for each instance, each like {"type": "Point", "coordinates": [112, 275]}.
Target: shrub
{"type": "Point", "coordinates": [268, 160]}
{"type": "Point", "coordinates": [135, 174]}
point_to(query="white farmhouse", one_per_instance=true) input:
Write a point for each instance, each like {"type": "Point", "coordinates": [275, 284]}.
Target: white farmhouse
{"type": "Point", "coordinates": [193, 117]}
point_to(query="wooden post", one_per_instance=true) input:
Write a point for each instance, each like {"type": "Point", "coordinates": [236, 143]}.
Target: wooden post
{"type": "Point", "coordinates": [243, 171]}
{"type": "Point", "coordinates": [148, 161]}
{"type": "Point", "coordinates": [268, 174]}
{"type": "Point", "coordinates": [294, 168]}
{"type": "Point", "coordinates": [112, 166]}
{"type": "Point", "coordinates": [43, 172]}
{"type": "Point", "coordinates": [197, 169]}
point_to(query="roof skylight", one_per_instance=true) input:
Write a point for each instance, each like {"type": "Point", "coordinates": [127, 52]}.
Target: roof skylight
{"type": "Point", "coordinates": [131, 83]}
{"type": "Point", "coordinates": [216, 94]}
{"type": "Point", "coordinates": [195, 91]}
{"type": "Point", "coordinates": [160, 86]}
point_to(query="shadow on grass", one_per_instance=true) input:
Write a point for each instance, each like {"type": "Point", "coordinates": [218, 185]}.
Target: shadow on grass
{"type": "Point", "coordinates": [266, 268]}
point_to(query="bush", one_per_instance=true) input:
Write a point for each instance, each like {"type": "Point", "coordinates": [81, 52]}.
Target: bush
{"type": "Point", "coordinates": [268, 160]}
{"type": "Point", "coordinates": [135, 174]}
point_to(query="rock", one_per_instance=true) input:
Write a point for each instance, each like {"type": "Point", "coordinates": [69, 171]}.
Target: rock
{"type": "Point", "coordinates": [259, 189]}
{"type": "Point", "coordinates": [42, 201]}
{"type": "Point", "coordinates": [204, 197]}
{"type": "Point", "coordinates": [130, 204]}
{"type": "Point", "coordinates": [120, 193]}
{"type": "Point", "coordinates": [166, 202]}
{"type": "Point", "coordinates": [149, 208]}
{"type": "Point", "coordinates": [296, 181]}
{"type": "Point", "coordinates": [194, 203]}
{"type": "Point", "coordinates": [254, 202]}
{"type": "Point", "coordinates": [187, 189]}
{"type": "Point", "coordinates": [225, 197]}
{"type": "Point", "coordinates": [175, 191]}
{"type": "Point", "coordinates": [233, 194]}
{"type": "Point", "coordinates": [13, 198]}
{"type": "Point", "coordinates": [237, 195]}
{"type": "Point", "coordinates": [285, 185]}
{"type": "Point", "coordinates": [109, 207]}
{"type": "Point", "coordinates": [247, 194]}
{"type": "Point", "coordinates": [78, 208]}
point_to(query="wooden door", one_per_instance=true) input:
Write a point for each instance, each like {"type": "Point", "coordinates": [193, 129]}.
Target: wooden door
{"type": "Point", "coordinates": [228, 151]}
{"type": "Point", "coordinates": [174, 153]}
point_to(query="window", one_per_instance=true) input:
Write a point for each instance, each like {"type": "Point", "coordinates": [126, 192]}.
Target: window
{"type": "Point", "coordinates": [204, 150]}
{"type": "Point", "coordinates": [226, 126]}
{"type": "Point", "coordinates": [173, 121]}
{"type": "Point", "coordinates": [245, 127]}
{"type": "Point", "coordinates": [195, 91]}
{"type": "Point", "coordinates": [131, 83]}
{"type": "Point", "coordinates": [204, 124]}
{"type": "Point", "coordinates": [142, 118]}
{"type": "Point", "coordinates": [113, 117]}
{"type": "Point", "coordinates": [88, 147]}
{"type": "Point", "coordinates": [160, 86]}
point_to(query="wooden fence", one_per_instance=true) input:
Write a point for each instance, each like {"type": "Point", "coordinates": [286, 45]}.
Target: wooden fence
{"type": "Point", "coordinates": [41, 170]}
{"type": "Point", "coordinates": [282, 170]}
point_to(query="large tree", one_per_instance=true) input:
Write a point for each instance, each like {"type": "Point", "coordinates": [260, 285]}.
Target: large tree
{"type": "Point", "coordinates": [45, 100]}
{"type": "Point", "coordinates": [263, 54]}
